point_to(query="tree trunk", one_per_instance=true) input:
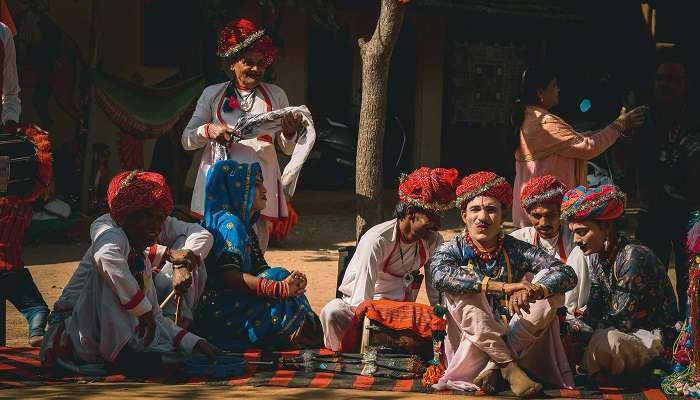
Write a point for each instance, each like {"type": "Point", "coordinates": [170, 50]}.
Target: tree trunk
{"type": "Point", "coordinates": [376, 57]}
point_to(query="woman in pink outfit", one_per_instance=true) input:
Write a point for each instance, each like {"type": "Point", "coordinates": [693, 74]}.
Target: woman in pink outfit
{"type": "Point", "coordinates": [547, 145]}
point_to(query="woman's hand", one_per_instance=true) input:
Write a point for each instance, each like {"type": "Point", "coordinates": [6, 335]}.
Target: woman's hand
{"type": "Point", "coordinates": [221, 133]}
{"type": "Point", "coordinates": [291, 124]}
{"type": "Point", "coordinates": [634, 118]}
{"type": "Point", "coordinates": [297, 283]}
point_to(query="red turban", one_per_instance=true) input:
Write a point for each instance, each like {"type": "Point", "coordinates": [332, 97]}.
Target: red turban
{"type": "Point", "coordinates": [242, 34]}
{"type": "Point", "coordinates": [131, 191]}
{"type": "Point", "coordinates": [430, 189]}
{"type": "Point", "coordinates": [603, 203]}
{"type": "Point", "coordinates": [542, 189]}
{"type": "Point", "coordinates": [484, 183]}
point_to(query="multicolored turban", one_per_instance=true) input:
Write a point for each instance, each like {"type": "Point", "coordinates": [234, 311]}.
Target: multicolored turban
{"type": "Point", "coordinates": [484, 183]}
{"type": "Point", "coordinates": [602, 203]}
{"type": "Point", "coordinates": [131, 191]}
{"type": "Point", "coordinates": [542, 190]}
{"type": "Point", "coordinates": [430, 189]}
{"type": "Point", "coordinates": [242, 34]}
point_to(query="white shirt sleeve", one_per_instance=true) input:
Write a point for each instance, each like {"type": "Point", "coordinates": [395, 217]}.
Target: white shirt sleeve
{"type": "Point", "coordinates": [198, 239]}
{"type": "Point", "coordinates": [368, 256]}
{"type": "Point", "coordinates": [110, 258]}
{"type": "Point", "coordinates": [11, 107]}
{"type": "Point", "coordinates": [195, 134]}
{"type": "Point", "coordinates": [577, 298]}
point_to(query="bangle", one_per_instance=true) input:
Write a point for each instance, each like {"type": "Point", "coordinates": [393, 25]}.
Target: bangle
{"type": "Point", "coordinates": [485, 284]}
{"type": "Point", "coordinates": [620, 127]}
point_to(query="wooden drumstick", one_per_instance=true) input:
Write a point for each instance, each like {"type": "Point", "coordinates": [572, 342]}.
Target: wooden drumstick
{"type": "Point", "coordinates": [167, 299]}
{"type": "Point", "coordinates": [178, 311]}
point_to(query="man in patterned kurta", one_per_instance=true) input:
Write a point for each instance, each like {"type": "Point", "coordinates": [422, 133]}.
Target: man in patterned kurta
{"type": "Point", "coordinates": [495, 321]}
{"type": "Point", "coordinates": [631, 307]}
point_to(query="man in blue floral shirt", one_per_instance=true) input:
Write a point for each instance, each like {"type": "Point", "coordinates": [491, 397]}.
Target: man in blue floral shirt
{"type": "Point", "coordinates": [495, 320]}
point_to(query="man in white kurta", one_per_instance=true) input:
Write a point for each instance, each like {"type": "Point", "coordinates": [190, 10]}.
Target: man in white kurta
{"type": "Point", "coordinates": [176, 234]}
{"type": "Point", "coordinates": [249, 52]}
{"type": "Point", "coordinates": [116, 313]}
{"type": "Point", "coordinates": [390, 255]}
{"type": "Point", "coordinates": [541, 198]}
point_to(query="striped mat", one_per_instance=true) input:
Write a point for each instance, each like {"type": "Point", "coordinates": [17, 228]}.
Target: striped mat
{"type": "Point", "coordinates": [20, 367]}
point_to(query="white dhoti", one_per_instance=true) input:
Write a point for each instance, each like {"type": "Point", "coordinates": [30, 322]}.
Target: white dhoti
{"type": "Point", "coordinates": [616, 352]}
{"type": "Point", "coordinates": [335, 317]}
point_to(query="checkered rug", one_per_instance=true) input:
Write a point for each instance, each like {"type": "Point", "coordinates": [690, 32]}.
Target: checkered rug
{"type": "Point", "coordinates": [20, 367]}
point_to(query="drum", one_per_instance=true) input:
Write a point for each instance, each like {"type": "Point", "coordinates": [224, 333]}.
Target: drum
{"type": "Point", "coordinates": [387, 340]}
{"type": "Point", "coordinates": [19, 164]}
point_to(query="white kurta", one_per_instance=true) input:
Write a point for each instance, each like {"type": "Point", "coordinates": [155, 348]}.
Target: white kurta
{"type": "Point", "coordinates": [375, 273]}
{"type": "Point", "coordinates": [11, 106]}
{"type": "Point", "coordinates": [576, 299]}
{"type": "Point", "coordinates": [105, 315]}
{"type": "Point", "coordinates": [268, 97]}
{"type": "Point", "coordinates": [551, 246]}
{"type": "Point", "coordinates": [176, 234]}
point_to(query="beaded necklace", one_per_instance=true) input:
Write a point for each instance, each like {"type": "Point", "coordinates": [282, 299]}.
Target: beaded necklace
{"type": "Point", "coordinates": [485, 256]}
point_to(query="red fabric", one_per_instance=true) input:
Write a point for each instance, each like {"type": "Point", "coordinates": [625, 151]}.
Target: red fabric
{"type": "Point", "coordinates": [135, 301]}
{"type": "Point", "coordinates": [137, 190]}
{"type": "Point", "coordinates": [237, 31]}
{"type": "Point", "coordinates": [396, 315]}
{"type": "Point", "coordinates": [282, 227]}
{"type": "Point", "coordinates": [15, 217]}
{"type": "Point", "coordinates": [431, 189]}
{"type": "Point", "coordinates": [178, 337]}
{"type": "Point", "coordinates": [6, 17]}
{"type": "Point", "coordinates": [483, 183]}
{"type": "Point", "coordinates": [542, 189]}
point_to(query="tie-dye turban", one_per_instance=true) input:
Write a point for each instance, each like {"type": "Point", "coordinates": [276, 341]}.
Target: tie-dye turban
{"type": "Point", "coordinates": [132, 191]}
{"type": "Point", "coordinates": [484, 183]}
{"type": "Point", "coordinates": [603, 203]}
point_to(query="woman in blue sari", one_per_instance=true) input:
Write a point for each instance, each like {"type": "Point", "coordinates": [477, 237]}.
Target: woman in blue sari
{"type": "Point", "coordinates": [247, 303]}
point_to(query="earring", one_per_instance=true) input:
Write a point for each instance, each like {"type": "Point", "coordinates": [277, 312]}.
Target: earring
{"type": "Point", "coordinates": [606, 245]}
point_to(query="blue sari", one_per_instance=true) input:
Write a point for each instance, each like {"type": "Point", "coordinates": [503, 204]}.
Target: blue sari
{"type": "Point", "coordinates": [233, 319]}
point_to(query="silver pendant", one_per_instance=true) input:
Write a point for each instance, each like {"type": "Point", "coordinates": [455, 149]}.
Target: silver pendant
{"type": "Point", "coordinates": [408, 279]}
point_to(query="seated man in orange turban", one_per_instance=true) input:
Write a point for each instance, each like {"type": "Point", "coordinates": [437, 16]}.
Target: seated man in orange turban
{"type": "Point", "coordinates": [116, 319]}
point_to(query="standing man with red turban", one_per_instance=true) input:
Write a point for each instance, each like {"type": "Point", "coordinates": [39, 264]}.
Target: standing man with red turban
{"type": "Point", "coordinates": [389, 256]}
{"type": "Point", "coordinates": [541, 199]}
{"type": "Point", "coordinates": [248, 52]}
{"type": "Point", "coordinates": [116, 319]}
{"type": "Point", "coordinates": [630, 309]}
{"type": "Point", "coordinates": [495, 321]}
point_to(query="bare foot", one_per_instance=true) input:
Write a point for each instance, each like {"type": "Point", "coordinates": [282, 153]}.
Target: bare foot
{"type": "Point", "coordinates": [520, 383]}
{"type": "Point", "coordinates": [487, 380]}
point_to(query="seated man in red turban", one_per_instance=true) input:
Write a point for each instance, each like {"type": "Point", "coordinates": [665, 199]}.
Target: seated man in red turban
{"type": "Point", "coordinates": [390, 255]}
{"type": "Point", "coordinates": [541, 199]}
{"type": "Point", "coordinates": [629, 305]}
{"type": "Point", "coordinates": [491, 324]}
{"type": "Point", "coordinates": [116, 319]}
